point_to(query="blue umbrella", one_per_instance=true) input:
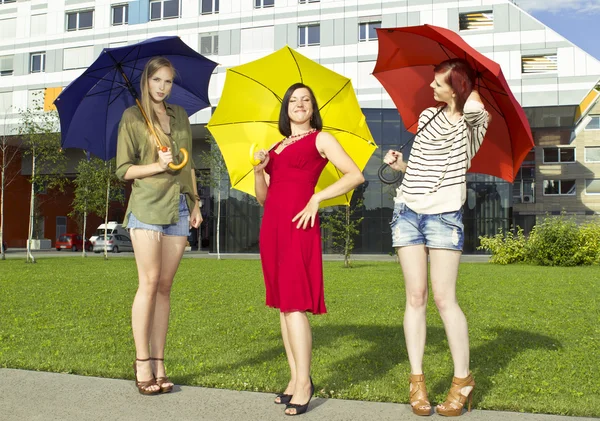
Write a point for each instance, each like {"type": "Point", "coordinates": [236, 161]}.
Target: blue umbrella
{"type": "Point", "coordinates": [91, 107]}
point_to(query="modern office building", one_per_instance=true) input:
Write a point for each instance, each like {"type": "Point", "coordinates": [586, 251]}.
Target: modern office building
{"type": "Point", "coordinates": [44, 45]}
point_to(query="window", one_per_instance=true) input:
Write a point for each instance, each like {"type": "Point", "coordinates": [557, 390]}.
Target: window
{"type": "Point", "coordinates": [539, 64]}
{"type": "Point", "coordinates": [8, 28]}
{"type": "Point", "coordinates": [6, 99]}
{"type": "Point", "coordinates": [120, 15]}
{"type": "Point", "coordinates": [559, 188]}
{"type": "Point", "coordinates": [559, 155]}
{"type": "Point", "coordinates": [78, 57]}
{"type": "Point", "coordinates": [367, 32]}
{"type": "Point", "coordinates": [37, 62]}
{"type": "Point", "coordinates": [261, 4]}
{"type": "Point", "coordinates": [594, 123]}
{"type": "Point", "coordinates": [308, 1]}
{"type": "Point", "coordinates": [164, 9]}
{"type": "Point", "coordinates": [6, 65]}
{"type": "Point", "coordinates": [38, 25]}
{"type": "Point", "coordinates": [209, 44]}
{"type": "Point", "coordinates": [7, 1]}
{"type": "Point", "coordinates": [476, 20]}
{"type": "Point", "coordinates": [592, 153]}
{"type": "Point", "coordinates": [83, 19]}
{"type": "Point", "coordinates": [210, 6]}
{"type": "Point", "coordinates": [309, 35]}
{"type": "Point", "coordinates": [592, 186]}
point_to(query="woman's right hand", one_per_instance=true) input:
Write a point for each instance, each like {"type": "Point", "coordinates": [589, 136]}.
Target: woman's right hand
{"type": "Point", "coordinates": [164, 158]}
{"type": "Point", "coordinates": [394, 160]}
{"type": "Point", "coordinates": [262, 156]}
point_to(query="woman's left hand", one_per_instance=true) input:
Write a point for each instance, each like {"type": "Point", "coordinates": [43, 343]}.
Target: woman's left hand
{"type": "Point", "coordinates": [309, 213]}
{"type": "Point", "coordinates": [195, 217]}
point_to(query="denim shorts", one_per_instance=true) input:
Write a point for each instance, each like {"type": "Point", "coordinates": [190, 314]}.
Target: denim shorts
{"type": "Point", "coordinates": [436, 231]}
{"type": "Point", "coordinates": [181, 228]}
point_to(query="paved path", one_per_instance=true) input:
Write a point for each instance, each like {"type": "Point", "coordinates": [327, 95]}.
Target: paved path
{"type": "Point", "coordinates": [32, 396]}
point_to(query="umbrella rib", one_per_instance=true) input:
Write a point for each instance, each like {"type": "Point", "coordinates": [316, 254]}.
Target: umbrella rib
{"type": "Point", "coordinates": [260, 83]}
{"type": "Point", "coordinates": [336, 94]}
{"type": "Point", "coordinates": [329, 128]}
{"type": "Point", "coordinates": [297, 65]}
{"type": "Point", "coordinates": [491, 104]}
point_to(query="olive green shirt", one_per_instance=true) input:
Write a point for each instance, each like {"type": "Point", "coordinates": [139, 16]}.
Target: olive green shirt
{"type": "Point", "coordinates": [155, 199]}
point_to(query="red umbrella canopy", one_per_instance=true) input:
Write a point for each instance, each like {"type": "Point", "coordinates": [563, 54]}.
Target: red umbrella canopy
{"type": "Point", "coordinates": [404, 67]}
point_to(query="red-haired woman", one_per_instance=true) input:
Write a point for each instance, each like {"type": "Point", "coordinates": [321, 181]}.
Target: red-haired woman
{"type": "Point", "coordinates": [427, 221]}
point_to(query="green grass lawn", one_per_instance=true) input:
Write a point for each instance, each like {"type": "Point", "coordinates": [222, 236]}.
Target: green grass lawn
{"type": "Point", "coordinates": [535, 331]}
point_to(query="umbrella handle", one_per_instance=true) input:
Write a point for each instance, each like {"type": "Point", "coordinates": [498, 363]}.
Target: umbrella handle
{"type": "Point", "coordinates": [176, 167]}
{"type": "Point", "coordinates": [253, 160]}
{"type": "Point", "coordinates": [393, 180]}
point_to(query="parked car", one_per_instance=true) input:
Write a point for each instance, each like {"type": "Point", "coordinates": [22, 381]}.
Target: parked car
{"type": "Point", "coordinates": [112, 227]}
{"type": "Point", "coordinates": [115, 243]}
{"type": "Point", "coordinates": [73, 242]}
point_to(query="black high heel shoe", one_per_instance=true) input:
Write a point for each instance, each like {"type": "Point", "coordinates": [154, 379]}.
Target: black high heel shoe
{"type": "Point", "coordinates": [301, 409]}
{"type": "Point", "coordinates": [283, 398]}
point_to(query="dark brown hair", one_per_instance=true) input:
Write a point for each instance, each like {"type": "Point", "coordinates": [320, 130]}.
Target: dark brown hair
{"type": "Point", "coordinates": [284, 119]}
{"type": "Point", "coordinates": [460, 77]}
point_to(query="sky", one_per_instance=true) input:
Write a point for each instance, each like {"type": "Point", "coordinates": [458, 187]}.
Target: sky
{"type": "Point", "coordinates": [576, 20]}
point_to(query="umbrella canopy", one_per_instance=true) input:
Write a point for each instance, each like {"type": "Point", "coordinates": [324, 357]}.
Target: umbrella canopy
{"type": "Point", "coordinates": [404, 67]}
{"type": "Point", "coordinates": [90, 108]}
{"type": "Point", "coordinates": [248, 112]}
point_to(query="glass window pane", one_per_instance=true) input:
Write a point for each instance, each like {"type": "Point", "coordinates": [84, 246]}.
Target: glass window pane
{"type": "Point", "coordinates": [592, 154]}
{"type": "Point", "coordinates": [550, 154]}
{"type": "Point", "coordinates": [594, 124]}
{"type": "Point", "coordinates": [567, 187]}
{"type": "Point", "coordinates": [362, 30]}
{"type": "Point", "coordinates": [86, 19]}
{"type": "Point", "coordinates": [71, 21]}
{"type": "Point", "coordinates": [155, 11]}
{"type": "Point", "coordinates": [117, 15]}
{"type": "Point", "coordinates": [36, 63]}
{"type": "Point", "coordinates": [126, 8]}
{"type": "Point", "coordinates": [171, 9]}
{"type": "Point", "coordinates": [269, 2]}
{"type": "Point", "coordinates": [372, 29]}
{"type": "Point", "coordinates": [567, 155]}
{"type": "Point", "coordinates": [205, 45]}
{"type": "Point", "coordinates": [216, 44]}
{"type": "Point", "coordinates": [551, 187]}
{"type": "Point", "coordinates": [592, 186]}
{"type": "Point", "coordinates": [207, 6]}
{"type": "Point", "coordinates": [314, 35]}
{"type": "Point", "coordinates": [216, 6]}
{"type": "Point", "coordinates": [302, 31]}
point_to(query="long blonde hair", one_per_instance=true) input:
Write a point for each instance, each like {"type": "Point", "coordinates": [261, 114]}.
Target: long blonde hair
{"type": "Point", "coordinates": [153, 65]}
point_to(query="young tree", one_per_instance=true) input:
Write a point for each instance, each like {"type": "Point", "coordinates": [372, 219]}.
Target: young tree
{"type": "Point", "coordinates": [39, 131]}
{"type": "Point", "coordinates": [96, 185]}
{"type": "Point", "coordinates": [9, 152]}
{"type": "Point", "coordinates": [343, 228]}
{"type": "Point", "coordinates": [213, 159]}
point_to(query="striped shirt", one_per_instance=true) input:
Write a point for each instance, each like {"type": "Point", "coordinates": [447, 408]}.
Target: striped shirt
{"type": "Point", "coordinates": [435, 178]}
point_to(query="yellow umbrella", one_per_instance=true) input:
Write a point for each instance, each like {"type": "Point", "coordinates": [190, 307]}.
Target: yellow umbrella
{"type": "Point", "coordinates": [248, 113]}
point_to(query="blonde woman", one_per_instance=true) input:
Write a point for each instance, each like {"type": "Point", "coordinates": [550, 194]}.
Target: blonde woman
{"type": "Point", "coordinates": [163, 205]}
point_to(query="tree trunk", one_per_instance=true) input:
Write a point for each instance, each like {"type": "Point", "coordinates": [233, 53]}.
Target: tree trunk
{"type": "Point", "coordinates": [218, 221]}
{"type": "Point", "coordinates": [106, 214]}
{"type": "Point", "coordinates": [31, 204]}
{"type": "Point", "coordinates": [84, 252]}
{"type": "Point", "coordinates": [2, 205]}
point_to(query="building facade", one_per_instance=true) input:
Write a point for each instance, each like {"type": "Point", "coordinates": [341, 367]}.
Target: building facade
{"type": "Point", "coordinates": [43, 48]}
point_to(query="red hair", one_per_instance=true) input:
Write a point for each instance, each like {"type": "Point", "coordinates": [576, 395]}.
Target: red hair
{"type": "Point", "coordinates": [461, 78]}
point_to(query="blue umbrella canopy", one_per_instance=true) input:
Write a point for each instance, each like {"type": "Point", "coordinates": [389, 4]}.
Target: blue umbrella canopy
{"type": "Point", "coordinates": [91, 107]}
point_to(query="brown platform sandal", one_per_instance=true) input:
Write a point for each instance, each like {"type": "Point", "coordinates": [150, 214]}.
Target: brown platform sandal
{"type": "Point", "coordinates": [418, 395]}
{"type": "Point", "coordinates": [143, 387]}
{"type": "Point", "coordinates": [160, 381]}
{"type": "Point", "coordinates": [455, 401]}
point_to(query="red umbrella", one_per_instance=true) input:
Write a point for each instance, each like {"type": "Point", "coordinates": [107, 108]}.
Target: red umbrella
{"type": "Point", "coordinates": [404, 67]}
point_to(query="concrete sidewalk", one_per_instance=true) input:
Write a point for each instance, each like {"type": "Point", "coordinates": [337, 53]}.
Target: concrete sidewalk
{"type": "Point", "coordinates": [31, 395]}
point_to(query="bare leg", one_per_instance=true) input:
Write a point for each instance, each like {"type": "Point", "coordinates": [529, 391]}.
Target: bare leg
{"type": "Point", "coordinates": [289, 390]}
{"type": "Point", "coordinates": [147, 257]}
{"type": "Point", "coordinates": [300, 338]}
{"type": "Point", "coordinates": [444, 272]}
{"type": "Point", "coordinates": [413, 260]}
{"type": "Point", "coordinates": [171, 251]}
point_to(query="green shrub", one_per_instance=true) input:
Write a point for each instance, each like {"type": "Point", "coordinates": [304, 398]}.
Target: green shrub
{"type": "Point", "coordinates": [588, 250]}
{"type": "Point", "coordinates": [554, 242]}
{"type": "Point", "coordinates": [506, 247]}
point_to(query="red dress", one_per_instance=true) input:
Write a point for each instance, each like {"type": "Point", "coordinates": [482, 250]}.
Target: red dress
{"type": "Point", "coordinates": [291, 257]}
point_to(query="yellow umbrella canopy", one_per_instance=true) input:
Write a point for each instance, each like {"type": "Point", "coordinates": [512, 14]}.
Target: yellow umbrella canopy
{"type": "Point", "coordinates": [248, 112]}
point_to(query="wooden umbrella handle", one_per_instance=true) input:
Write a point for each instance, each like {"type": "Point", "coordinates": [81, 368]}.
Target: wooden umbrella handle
{"type": "Point", "coordinates": [184, 161]}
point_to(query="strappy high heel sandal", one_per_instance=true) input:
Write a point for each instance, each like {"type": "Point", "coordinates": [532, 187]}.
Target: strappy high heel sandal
{"type": "Point", "coordinates": [301, 409]}
{"type": "Point", "coordinates": [419, 403]}
{"type": "Point", "coordinates": [284, 398]}
{"type": "Point", "coordinates": [144, 387]}
{"type": "Point", "coordinates": [455, 401]}
{"type": "Point", "coordinates": [164, 383]}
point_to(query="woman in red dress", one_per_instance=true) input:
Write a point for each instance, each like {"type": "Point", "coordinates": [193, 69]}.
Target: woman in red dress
{"type": "Point", "coordinates": [290, 239]}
